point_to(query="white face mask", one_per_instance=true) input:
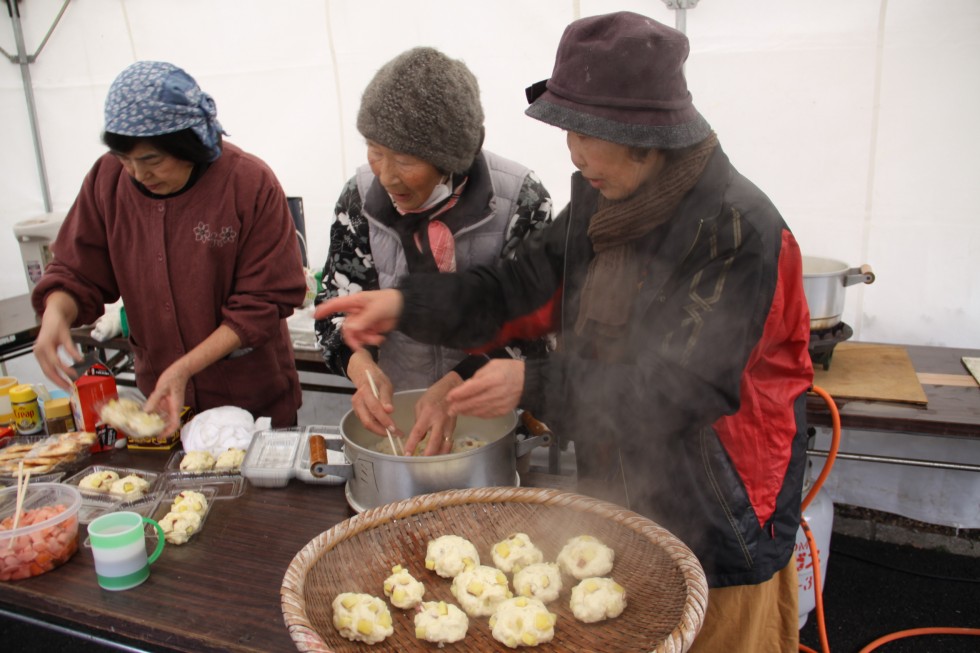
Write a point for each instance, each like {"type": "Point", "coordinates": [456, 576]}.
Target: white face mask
{"type": "Point", "coordinates": [442, 190]}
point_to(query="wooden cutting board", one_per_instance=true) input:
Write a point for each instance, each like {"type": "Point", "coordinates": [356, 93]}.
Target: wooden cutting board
{"type": "Point", "coordinates": [871, 372]}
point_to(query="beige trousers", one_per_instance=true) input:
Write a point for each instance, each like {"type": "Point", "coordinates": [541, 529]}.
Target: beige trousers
{"type": "Point", "coordinates": [753, 618]}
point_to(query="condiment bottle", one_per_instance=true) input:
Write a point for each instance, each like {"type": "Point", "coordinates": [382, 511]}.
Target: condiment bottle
{"type": "Point", "coordinates": [57, 416]}
{"type": "Point", "coordinates": [27, 414]}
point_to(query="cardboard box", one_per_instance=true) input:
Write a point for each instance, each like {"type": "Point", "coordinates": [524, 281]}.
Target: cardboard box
{"type": "Point", "coordinates": [89, 393]}
{"type": "Point", "coordinates": [168, 441]}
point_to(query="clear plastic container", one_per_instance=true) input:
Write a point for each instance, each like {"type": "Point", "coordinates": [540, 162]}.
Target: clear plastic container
{"type": "Point", "coordinates": [173, 466]}
{"type": "Point", "coordinates": [274, 457]}
{"type": "Point", "coordinates": [96, 505]}
{"type": "Point", "coordinates": [165, 503]}
{"type": "Point", "coordinates": [151, 478]}
{"type": "Point", "coordinates": [270, 457]}
{"type": "Point", "coordinates": [46, 544]}
{"type": "Point", "coordinates": [224, 486]}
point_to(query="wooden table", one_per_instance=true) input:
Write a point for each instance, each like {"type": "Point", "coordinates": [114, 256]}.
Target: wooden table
{"type": "Point", "coordinates": [953, 408]}
{"type": "Point", "coordinates": [219, 592]}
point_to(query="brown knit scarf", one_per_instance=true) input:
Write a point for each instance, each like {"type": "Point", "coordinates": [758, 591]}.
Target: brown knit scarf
{"type": "Point", "coordinates": [614, 229]}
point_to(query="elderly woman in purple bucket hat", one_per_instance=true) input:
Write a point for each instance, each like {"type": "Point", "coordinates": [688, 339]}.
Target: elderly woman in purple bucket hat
{"type": "Point", "coordinates": [196, 237]}
{"type": "Point", "coordinates": [682, 368]}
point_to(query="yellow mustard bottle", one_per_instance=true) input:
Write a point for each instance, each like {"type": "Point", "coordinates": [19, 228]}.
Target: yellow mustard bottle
{"type": "Point", "coordinates": [27, 413]}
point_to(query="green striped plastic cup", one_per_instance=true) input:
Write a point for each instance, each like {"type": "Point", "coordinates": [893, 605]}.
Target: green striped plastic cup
{"type": "Point", "coordinates": [119, 548]}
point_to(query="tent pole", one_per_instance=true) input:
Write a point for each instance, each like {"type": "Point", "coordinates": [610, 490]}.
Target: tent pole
{"type": "Point", "coordinates": [25, 72]}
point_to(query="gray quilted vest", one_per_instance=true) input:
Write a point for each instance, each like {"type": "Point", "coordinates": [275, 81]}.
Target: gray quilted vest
{"type": "Point", "coordinates": [409, 364]}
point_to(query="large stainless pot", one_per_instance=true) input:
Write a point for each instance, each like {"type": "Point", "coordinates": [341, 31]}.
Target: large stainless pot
{"type": "Point", "coordinates": [376, 478]}
{"type": "Point", "coordinates": [824, 280]}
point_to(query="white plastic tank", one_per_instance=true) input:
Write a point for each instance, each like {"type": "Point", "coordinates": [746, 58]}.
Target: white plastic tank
{"type": "Point", "coordinates": [819, 516]}
{"type": "Point", "coordinates": [35, 236]}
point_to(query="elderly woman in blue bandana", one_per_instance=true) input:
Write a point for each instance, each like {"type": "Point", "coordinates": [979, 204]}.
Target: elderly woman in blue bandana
{"type": "Point", "coordinates": [196, 237]}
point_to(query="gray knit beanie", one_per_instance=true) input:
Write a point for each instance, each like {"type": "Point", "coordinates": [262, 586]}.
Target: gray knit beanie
{"type": "Point", "coordinates": [425, 104]}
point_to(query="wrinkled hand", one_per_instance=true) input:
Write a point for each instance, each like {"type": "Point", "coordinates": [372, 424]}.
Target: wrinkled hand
{"type": "Point", "coordinates": [432, 417]}
{"type": "Point", "coordinates": [55, 333]}
{"type": "Point", "coordinates": [370, 315]}
{"type": "Point", "coordinates": [168, 396]}
{"type": "Point", "coordinates": [493, 391]}
{"type": "Point", "coordinates": [374, 413]}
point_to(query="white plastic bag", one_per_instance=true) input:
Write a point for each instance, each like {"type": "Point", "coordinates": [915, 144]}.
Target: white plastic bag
{"type": "Point", "coordinates": [222, 428]}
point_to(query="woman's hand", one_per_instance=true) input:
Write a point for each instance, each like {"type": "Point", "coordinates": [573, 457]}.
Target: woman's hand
{"type": "Point", "coordinates": [370, 315]}
{"type": "Point", "coordinates": [432, 417]}
{"type": "Point", "coordinates": [168, 395]}
{"type": "Point", "coordinates": [60, 311]}
{"type": "Point", "coordinates": [493, 391]}
{"type": "Point", "coordinates": [374, 413]}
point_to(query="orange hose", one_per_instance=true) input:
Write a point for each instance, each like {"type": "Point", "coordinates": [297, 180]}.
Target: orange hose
{"type": "Point", "coordinates": [834, 445]}
{"type": "Point", "coordinates": [814, 554]}
{"type": "Point", "coordinates": [914, 632]}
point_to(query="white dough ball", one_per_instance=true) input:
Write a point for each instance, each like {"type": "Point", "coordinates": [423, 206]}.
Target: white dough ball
{"type": "Point", "coordinates": [585, 556]}
{"type": "Point", "coordinates": [448, 555]}
{"type": "Point", "coordinates": [595, 599]}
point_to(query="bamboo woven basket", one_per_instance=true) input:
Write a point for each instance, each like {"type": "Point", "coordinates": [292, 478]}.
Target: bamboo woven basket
{"type": "Point", "coordinates": [665, 586]}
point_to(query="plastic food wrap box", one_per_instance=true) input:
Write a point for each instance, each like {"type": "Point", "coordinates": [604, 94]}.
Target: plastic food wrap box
{"type": "Point", "coordinates": [275, 456]}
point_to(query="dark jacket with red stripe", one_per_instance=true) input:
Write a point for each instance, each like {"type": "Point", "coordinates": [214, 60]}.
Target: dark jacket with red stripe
{"type": "Point", "coordinates": [708, 409]}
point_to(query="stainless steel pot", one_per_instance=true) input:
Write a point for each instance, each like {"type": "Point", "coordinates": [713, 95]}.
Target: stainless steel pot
{"type": "Point", "coordinates": [376, 478]}
{"type": "Point", "coordinates": [824, 280]}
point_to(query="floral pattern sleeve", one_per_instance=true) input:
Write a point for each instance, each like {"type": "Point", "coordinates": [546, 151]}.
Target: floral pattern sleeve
{"type": "Point", "coordinates": [349, 268]}
{"type": "Point", "coordinates": [533, 213]}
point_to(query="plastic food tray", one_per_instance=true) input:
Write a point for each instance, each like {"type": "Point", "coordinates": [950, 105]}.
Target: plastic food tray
{"type": "Point", "coordinates": [96, 504]}
{"type": "Point", "coordinates": [173, 466]}
{"type": "Point", "coordinates": [225, 486]}
{"type": "Point", "coordinates": [50, 477]}
{"type": "Point", "coordinates": [66, 465]}
{"type": "Point", "coordinates": [166, 500]}
{"type": "Point", "coordinates": [150, 477]}
{"type": "Point", "coordinates": [274, 457]}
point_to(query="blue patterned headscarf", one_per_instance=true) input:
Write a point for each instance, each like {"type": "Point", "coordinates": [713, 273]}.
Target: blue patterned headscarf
{"type": "Point", "coordinates": [151, 98]}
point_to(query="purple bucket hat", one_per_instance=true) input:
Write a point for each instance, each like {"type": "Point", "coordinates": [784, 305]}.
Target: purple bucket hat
{"type": "Point", "coordinates": [620, 77]}
{"type": "Point", "coordinates": [150, 98]}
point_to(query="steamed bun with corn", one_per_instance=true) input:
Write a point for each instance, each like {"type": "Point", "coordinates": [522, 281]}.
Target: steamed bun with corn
{"type": "Point", "coordinates": [229, 460]}
{"type": "Point", "coordinates": [100, 481]}
{"type": "Point", "coordinates": [448, 555]}
{"type": "Point", "coordinates": [440, 622]}
{"type": "Point", "coordinates": [130, 484]}
{"type": "Point", "coordinates": [178, 527]}
{"type": "Point", "coordinates": [514, 552]}
{"type": "Point", "coordinates": [585, 556]}
{"type": "Point", "coordinates": [197, 461]}
{"type": "Point", "coordinates": [541, 580]}
{"type": "Point", "coordinates": [403, 589]}
{"type": "Point", "coordinates": [595, 599]}
{"type": "Point", "coordinates": [479, 589]}
{"type": "Point", "coordinates": [522, 622]}
{"type": "Point", "coordinates": [361, 617]}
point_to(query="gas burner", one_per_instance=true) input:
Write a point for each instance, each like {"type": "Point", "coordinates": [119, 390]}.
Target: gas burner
{"type": "Point", "coordinates": [823, 341]}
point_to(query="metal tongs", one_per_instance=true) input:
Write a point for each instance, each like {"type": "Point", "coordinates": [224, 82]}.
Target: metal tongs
{"type": "Point", "coordinates": [394, 441]}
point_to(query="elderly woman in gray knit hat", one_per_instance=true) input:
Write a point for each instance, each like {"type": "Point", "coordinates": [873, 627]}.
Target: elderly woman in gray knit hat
{"type": "Point", "coordinates": [682, 368]}
{"type": "Point", "coordinates": [430, 199]}
{"type": "Point", "coordinates": [196, 237]}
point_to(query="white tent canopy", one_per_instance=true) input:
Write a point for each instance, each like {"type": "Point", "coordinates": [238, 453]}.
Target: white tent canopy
{"type": "Point", "coordinates": [857, 117]}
